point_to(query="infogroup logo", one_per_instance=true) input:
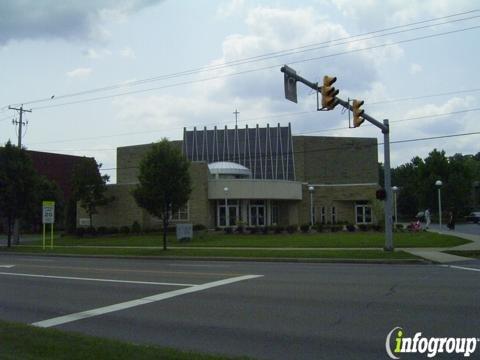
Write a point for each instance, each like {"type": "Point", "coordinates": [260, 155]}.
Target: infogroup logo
{"type": "Point", "coordinates": [429, 346]}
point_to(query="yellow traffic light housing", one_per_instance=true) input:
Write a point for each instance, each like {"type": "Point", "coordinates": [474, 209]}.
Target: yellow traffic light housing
{"type": "Point", "coordinates": [329, 93]}
{"type": "Point", "coordinates": [357, 113]}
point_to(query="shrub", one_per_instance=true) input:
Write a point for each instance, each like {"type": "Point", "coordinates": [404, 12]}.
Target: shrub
{"type": "Point", "coordinates": [350, 228]}
{"type": "Point", "coordinates": [91, 231]}
{"type": "Point", "coordinates": [228, 230]}
{"type": "Point", "coordinates": [80, 231]}
{"type": "Point", "coordinates": [377, 227]}
{"type": "Point", "coordinates": [304, 228]}
{"type": "Point", "coordinates": [102, 230]}
{"type": "Point", "coordinates": [335, 228]}
{"type": "Point", "coordinates": [279, 229]}
{"type": "Point", "coordinates": [266, 230]}
{"type": "Point", "coordinates": [136, 228]}
{"type": "Point", "coordinates": [113, 230]}
{"type": "Point", "coordinates": [253, 230]}
{"type": "Point", "coordinates": [319, 227]}
{"type": "Point", "coordinates": [125, 230]}
{"type": "Point", "coordinates": [199, 227]}
{"type": "Point", "coordinates": [362, 227]}
{"type": "Point", "coordinates": [292, 228]}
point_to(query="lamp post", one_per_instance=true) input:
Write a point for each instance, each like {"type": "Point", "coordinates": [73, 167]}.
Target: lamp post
{"type": "Point", "coordinates": [395, 190]}
{"type": "Point", "coordinates": [225, 189]}
{"type": "Point", "coordinates": [311, 189]}
{"type": "Point", "coordinates": [439, 184]}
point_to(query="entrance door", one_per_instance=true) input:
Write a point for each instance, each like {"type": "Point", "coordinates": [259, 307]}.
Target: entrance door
{"type": "Point", "coordinates": [257, 213]}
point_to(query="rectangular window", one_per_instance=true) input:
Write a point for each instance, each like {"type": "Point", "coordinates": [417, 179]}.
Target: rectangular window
{"type": "Point", "coordinates": [181, 214]}
{"type": "Point", "coordinates": [274, 213]}
{"type": "Point", "coordinates": [363, 214]}
{"type": "Point", "coordinates": [334, 215]}
{"type": "Point", "coordinates": [323, 215]}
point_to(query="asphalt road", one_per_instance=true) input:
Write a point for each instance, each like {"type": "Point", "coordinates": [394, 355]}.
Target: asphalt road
{"type": "Point", "coordinates": [467, 228]}
{"type": "Point", "coordinates": [293, 311]}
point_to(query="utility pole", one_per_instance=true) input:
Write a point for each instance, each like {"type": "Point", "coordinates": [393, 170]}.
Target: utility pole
{"type": "Point", "coordinates": [20, 123]}
{"type": "Point", "coordinates": [236, 112]}
{"type": "Point", "coordinates": [329, 97]}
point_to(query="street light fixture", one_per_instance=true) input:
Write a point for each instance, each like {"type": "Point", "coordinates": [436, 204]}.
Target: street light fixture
{"type": "Point", "coordinates": [311, 189]}
{"type": "Point", "coordinates": [395, 190]}
{"type": "Point", "coordinates": [227, 222]}
{"type": "Point", "coordinates": [439, 184]}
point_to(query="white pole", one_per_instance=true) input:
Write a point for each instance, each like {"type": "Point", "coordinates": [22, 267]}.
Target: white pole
{"type": "Point", "coordinates": [395, 206]}
{"type": "Point", "coordinates": [439, 208]}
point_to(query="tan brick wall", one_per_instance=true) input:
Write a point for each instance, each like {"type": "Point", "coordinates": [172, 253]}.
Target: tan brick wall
{"type": "Point", "coordinates": [122, 211]}
{"type": "Point", "coordinates": [331, 160]}
{"type": "Point", "coordinates": [128, 161]}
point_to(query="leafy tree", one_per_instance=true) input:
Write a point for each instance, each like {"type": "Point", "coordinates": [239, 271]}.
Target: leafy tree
{"type": "Point", "coordinates": [164, 182]}
{"type": "Point", "coordinates": [89, 186]}
{"type": "Point", "coordinates": [17, 185]}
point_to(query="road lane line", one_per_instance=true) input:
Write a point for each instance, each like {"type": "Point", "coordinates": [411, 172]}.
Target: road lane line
{"type": "Point", "coordinates": [146, 300]}
{"type": "Point", "coordinates": [95, 279]}
{"type": "Point", "coordinates": [461, 267]}
{"type": "Point", "coordinates": [6, 266]}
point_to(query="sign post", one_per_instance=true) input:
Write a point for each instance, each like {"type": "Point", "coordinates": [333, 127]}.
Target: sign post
{"type": "Point", "coordinates": [48, 217]}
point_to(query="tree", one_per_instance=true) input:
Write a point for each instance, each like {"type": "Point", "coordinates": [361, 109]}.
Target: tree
{"type": "Point", "coordinates": [89, 186]}
{"type": "Point", "coordinates": [17, 185]}
{"type": "Point", "coordinates": [164, 182]}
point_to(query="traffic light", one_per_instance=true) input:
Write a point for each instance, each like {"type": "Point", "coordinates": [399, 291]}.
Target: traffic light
{"type": "Point", "coordinates": [357, 113]}
{"type": "Point", "coordinates": [329, 93]}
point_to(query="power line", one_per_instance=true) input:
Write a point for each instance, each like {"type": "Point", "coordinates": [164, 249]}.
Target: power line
{"type": "Point", "coordinates": [243, 72]}
{"type": "Point", "coordinates": [245, 121]}
{"type": "Point", "coordinates": [291, 51]}
{"type": "Point", "coordinates": [343, 147]}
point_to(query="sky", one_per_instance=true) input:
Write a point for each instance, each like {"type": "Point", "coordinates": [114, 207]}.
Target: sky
{"type": "Point", "coordinates": [99, 74]}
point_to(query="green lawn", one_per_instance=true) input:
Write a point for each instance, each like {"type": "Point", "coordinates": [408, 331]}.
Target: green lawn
{"type": "Point", "coordinates": [220, 253]}
{"type": "Point", "coordinates": [25, 342]}
{"type": "Point", "coordinates": [322, 240]}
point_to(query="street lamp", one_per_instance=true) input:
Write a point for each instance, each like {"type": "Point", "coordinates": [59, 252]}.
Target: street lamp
{"type": "Point", "coordinates": [225, 189]}
{"type": "Point", "coordinates": [311, 189]}
{"type": "Point", "coordinates": [439, 184]}
{"type": "Point", "coordinates": [395, 190]}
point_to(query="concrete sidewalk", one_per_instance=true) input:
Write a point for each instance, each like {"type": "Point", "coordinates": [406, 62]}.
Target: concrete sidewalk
{"type": "Point", "coordinates": [439, 255]}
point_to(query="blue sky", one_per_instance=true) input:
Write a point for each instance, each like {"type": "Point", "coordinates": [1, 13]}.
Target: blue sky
{"type": "Point", "coordinates": [49, 47]}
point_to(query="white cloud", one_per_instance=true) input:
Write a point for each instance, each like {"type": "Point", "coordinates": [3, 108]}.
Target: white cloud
{"type": "Point", "coordinates": [79, 73]}
{"type": "Point", "coordinates": [96, 54]}
{"type": "Point", "coordinates": [415, 68]}
{"type": "Point", "coordinates": [33, 19]}
{"type": "Point", "coordinates": [397, 12]}
{"type": "Point", "coordinates": [128, 53]}
{"type": "Point", "coordinates": [229, 8]}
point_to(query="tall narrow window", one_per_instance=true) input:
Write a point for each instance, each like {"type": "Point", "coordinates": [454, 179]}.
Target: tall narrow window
{"type": "Point", "coordinates": [334, 215]}
{"type": "Point", "coordinates": [323, 215]}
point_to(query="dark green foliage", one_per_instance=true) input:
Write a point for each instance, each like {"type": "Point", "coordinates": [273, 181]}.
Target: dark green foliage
{"type": "Point", "coordinates": [319, 227]}
{"type": "Point", "coordinates": [89, 186]}
{"type": "Point", "coordinates": [253, 230]}
{"type": "Point", "coordinates": [228, 230]}
{"type": "Point", "coordinates": [18, 182]}
{"type": "Point", "coordinates": [199, 227]}
{"type": "Point", "coordinates": [102, 230]}
{"type": "Point", "coordinates": [416, 181]}
{"type": "Point", "coordinates": [113, 230]}
{"type": "Point", "coordinates": [125, 230]}
{"type": "Point", "coordinates": [164, 182]}
{"type": "Point", "coordinates": [305, 228]}
{"type": "Point", "coordinates": [136, 228]}
{"type": "Point", "coordinates": [80, 232]}
{"type": "Point", "coordinates": [279, 229]}
{"type": "Point", "coordinates": [292, 228]}
{"type": "Point", "coordinates": [350, 228]}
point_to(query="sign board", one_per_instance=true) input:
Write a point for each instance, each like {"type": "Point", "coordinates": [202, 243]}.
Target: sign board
{"type": "Point", "coordinates": [290, 85]}
{"type": "Point", "coordinates": [84, 221]}
{"type": "Point", "coordinates": [184, 232]}
{"type": "Point", "coordinates": [48, 212]}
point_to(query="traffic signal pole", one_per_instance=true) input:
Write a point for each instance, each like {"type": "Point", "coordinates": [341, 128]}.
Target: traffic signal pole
{"type": "Point", "coordinates": [385, 128]}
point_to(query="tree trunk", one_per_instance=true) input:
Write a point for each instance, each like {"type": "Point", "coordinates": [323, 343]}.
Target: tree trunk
{"type": "Point", "coordinates": [16, 232]}
{"type": "Point", "coordinates": [9, 236]}
{"type": "Point", "coordinates": [165, 227]}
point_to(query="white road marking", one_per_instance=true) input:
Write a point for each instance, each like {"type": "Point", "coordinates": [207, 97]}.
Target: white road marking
{"type": "Point", "coordinates": [461, 267]}
{"type": "Point", "coordinates": [6, 266]}
{"type": "Point", "coordinates": [96, 279]}
{"type": "Point", "coordinates": [146, 300]}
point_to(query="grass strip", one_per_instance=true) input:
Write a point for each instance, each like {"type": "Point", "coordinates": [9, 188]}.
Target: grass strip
{"type": "Point", "coordinates": [240, 253]}
{"type": "Point", "coordinates": [19, 341]}
{"type": "Point", "coordinates": [465, 253]}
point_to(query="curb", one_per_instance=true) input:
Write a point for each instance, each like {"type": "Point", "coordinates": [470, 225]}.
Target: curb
{"type": "Point", "coordinates": [239, 259]}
